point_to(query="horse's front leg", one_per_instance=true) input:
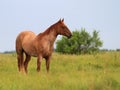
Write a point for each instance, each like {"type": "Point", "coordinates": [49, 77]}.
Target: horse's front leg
{"type": "Point", "coordinates": [39, 60]}
{"type": "Point", "coordinates": [48, 63]}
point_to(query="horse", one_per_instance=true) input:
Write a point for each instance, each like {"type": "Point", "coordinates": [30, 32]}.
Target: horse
{"type": "Point", "coordinates": [40, 46]}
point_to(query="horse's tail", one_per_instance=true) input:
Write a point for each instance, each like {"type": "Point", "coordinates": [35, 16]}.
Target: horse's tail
{"type": "Point", "coordinates": [19, 51]}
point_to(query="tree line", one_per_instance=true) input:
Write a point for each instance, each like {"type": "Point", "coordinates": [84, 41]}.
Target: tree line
{"type": "Point", "coordinates": [82, 42]}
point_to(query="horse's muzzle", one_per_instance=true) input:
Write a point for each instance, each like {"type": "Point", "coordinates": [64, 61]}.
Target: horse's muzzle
{"type": "Point", "coordinates": [70, 36]}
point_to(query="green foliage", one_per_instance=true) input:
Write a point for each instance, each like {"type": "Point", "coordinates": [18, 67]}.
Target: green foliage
{"type": "Point", "coordinates": [80, 43]}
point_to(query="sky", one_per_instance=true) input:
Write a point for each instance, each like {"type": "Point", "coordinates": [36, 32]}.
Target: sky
{"type": "Point", "coordinates": [38, 15]}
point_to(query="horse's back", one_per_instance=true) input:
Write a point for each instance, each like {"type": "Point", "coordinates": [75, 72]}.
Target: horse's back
{"type": "Point", "coordinates": [24, 39]}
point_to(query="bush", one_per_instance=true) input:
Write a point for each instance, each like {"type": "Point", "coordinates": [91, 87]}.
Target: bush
{"type": "Point", "coordinates": [80, 43]}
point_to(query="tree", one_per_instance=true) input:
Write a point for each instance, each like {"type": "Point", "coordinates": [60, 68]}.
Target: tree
{"type": "Point", "coordinates": [80, 43]}
{"type": "Point", "coordinates": [95, 42]}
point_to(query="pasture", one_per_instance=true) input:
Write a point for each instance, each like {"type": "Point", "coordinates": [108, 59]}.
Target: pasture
{"type": "Point", "coordinates": [67, 72]}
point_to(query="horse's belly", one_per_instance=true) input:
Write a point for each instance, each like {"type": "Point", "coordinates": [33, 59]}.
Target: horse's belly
{"type": "Point", "coordinates": [33, 54]}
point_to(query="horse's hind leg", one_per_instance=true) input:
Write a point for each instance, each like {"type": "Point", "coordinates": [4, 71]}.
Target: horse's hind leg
{"type": "Point", "coordinates": [20, 62]}
{"type": "Point", "coordinates": [26, 61]}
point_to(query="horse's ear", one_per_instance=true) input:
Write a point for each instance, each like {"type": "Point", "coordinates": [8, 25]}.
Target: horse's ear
{"type": "Point", "coordinates": [63, 20]}
{"type": "Point", "coordinates": [59, 20]}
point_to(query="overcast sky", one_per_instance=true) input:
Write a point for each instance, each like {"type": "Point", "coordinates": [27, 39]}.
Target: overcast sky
{"type": "Point", "coordinates": [38, 15]}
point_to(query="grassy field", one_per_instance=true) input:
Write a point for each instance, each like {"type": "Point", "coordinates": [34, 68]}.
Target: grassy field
{"type": "Point", "coordinates": [67, 72]}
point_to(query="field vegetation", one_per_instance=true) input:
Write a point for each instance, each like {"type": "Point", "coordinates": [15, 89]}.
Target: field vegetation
{"type": "Point", "coordinates": [67, 72]}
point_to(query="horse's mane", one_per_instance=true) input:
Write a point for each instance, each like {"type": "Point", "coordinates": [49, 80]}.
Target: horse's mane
{"type": "Point", "coordinates": [48, 30]}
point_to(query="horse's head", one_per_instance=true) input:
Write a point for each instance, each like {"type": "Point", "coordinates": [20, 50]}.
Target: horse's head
{"type": "Point", "coordinates": [63, 29]}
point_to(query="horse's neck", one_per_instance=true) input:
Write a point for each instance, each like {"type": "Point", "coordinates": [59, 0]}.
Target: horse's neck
{"type": "Point", "coordinates": [50, 35]}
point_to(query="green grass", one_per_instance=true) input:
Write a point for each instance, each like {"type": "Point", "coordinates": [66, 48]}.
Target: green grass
{"type": "Point", "coordinates": [67, 72]}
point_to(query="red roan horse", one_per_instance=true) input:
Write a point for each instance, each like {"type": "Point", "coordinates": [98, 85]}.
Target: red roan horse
{"type": "Point", "coordinates": [40, 46]}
